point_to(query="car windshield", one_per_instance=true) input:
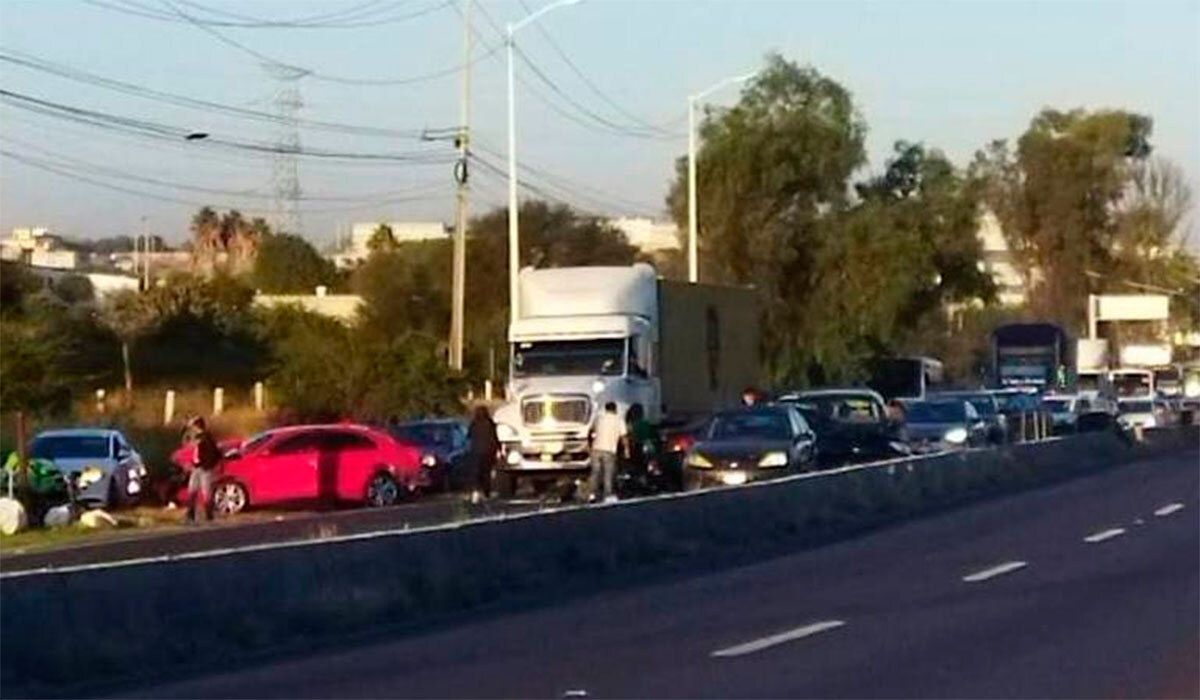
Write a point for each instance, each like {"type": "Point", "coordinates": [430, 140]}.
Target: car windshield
{"type": "Point", "coordinates": [1088, 382]}
{"type": "Point", "coordinates": [569, 358]}
{"type": "Point", "coordinates": [1136, 407]}
{"type": "Point", "coordinates": [937, 412]}
{"type": "Point", "coordinates": [840, 408]}
{"type": "Point", "coordinates": [1058, 405]}
{"type": "Point", "coordinates": [255, 442]}
{"type": "Point", "coordinates": [763, 425]}
{"type": "Point", "coordinates": [984, 405]}
{"type": "Point", "coordinates": [71, 447]}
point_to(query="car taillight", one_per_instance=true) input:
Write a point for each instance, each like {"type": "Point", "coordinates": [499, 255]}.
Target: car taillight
{"type": "Point", "coordinates": [682, 443]}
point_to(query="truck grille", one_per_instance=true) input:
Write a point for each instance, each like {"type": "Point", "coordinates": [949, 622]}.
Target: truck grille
{"type": "Point", "coordinates": [574, 409]}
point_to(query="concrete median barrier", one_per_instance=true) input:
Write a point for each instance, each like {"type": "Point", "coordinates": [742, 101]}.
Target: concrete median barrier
{"type": "Point", "coordinates": [102, 622]}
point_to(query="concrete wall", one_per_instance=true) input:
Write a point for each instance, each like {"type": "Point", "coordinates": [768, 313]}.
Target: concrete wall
{"type": "Point", "coordinates": [96, 623]}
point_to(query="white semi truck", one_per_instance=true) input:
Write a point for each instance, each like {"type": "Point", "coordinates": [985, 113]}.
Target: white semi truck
{"type": "Point", "coordinates": [586, 336]}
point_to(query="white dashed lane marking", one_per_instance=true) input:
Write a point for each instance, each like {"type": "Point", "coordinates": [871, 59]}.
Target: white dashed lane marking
{"type": "Point", "coordinates": [1104, 535]}
{"type": "Point", "coordinates": [1169, 509]}
{"type": "Point", "coordinates": [777, 639]}
{"type": "Point", "coordinates": [999, 570]}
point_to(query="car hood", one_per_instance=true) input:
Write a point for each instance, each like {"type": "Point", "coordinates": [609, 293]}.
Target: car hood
{"type": "Point", "coordinates": [67, 465]}
{"type": "Point", "coordinates": [740, 449]}
{"type": "Point", "coordinates": [931, 431]}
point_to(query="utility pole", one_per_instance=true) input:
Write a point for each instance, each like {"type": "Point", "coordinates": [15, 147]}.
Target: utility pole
{"type": "Point", "coordinates": [138, 254]}
{"type": "Point", "coordinates": [146, 261]}
{"type": "Point", "coordinates": [462, 143]}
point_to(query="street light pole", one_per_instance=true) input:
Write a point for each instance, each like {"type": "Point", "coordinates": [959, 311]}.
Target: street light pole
{"type": "Point", "coordinates": [693, 261]}
{"type": "Point", "coordinates": [514, 239]}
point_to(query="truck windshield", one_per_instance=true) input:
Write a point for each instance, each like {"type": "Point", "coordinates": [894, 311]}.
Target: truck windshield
{"type": "Point", "coordinates": [569, 358]}
{"type": "Point", "coordinates": [1131, 383]}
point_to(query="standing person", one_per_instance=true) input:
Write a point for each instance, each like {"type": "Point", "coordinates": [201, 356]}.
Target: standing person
{"type": "Point", "coordinates": [483, 447]}
{"type": "Point", "coordinates": [205, 459]}
{"type": "Point", "coordinates": [607, 436]}
{"type": "Point", "coordinates": [643, 444]}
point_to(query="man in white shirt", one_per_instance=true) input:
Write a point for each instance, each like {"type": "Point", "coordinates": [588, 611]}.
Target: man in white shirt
{"type": "Point", "coordinates": [607, 436]}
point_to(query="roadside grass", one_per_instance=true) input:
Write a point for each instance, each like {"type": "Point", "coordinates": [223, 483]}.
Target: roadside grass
{"type": "Point", "coordinates": [140, 518]}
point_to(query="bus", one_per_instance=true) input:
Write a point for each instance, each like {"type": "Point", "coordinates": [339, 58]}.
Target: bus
{"type": "Point", "coordinates": [907, 378]}
{"type": "Point", "coordinates": [1031, 355]}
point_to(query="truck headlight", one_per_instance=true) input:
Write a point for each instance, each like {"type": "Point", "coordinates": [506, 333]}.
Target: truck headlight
{"type": "Point", "coordinates": [506, 432]}
{"type": "Point", "coordinates": [512, 457]}
{"type": "Point", "coordinates": [698, 461]}
{"type": "Point", "coordinates": [598, 386]}
{"type": "Point", "coordinates": [774, 459]}
{"type": "Point", "coordinates": [956, 435]}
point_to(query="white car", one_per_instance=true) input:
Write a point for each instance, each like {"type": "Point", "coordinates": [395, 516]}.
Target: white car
{"type": "Point", "coordinates": [1144, 412]}
{"type": "Point", "coordinates": [110, 473]}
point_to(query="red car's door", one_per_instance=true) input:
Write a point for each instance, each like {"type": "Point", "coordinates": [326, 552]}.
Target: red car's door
{"type": "Point", "coordinates": [287, 470]}
{"type": "Point", "coordinates": [357, 459]}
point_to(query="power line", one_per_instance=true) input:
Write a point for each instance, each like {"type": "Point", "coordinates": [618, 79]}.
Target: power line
{"type": "Point", "coordinates": [137, 9]}
{"type": "Point", "coordinates": [587, 117]}
{"type": "Point", "coordinates": [165, 132]}
{"type": "Point", "coordinates": [318, 75]}
{"type": "Point", "coordinates": [49, 167]}
{"type": "Point", "coordinates": [54, 159]}
{"type": "Point", "coordinates": [80, 76]}
{"type": "Point", "coordinates": [596, 90]}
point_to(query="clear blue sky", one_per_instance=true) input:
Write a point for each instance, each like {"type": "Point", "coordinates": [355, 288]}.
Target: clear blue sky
{"type": "Point", "coordinates": [952, 74]}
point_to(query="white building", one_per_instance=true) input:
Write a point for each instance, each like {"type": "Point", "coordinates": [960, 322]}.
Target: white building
{"type": "Point", "coordinates": [340, 307]}
{"type": "Point", "coordinates": [648, 235]}
{"type": "Point", "coordinates": [26, 241]}
{"type": "Point", "coordinates": [998, 261]}
{"type": "Point", "coordinates": [356, 247]}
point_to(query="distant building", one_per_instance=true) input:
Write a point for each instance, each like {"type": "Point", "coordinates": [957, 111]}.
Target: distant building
{"type": "Point", "coordinates": [341, 307]}
{"type": "Point", "coordinates": [55, 259]}
{"type": "Point", "coordinates": [356, 247]}
{"type": "Point", "coordinates": [998, 261]}
{"type": "Point", "coordinates": [648, 235]}
{"type": "Point", "coordinates": [24, 242]}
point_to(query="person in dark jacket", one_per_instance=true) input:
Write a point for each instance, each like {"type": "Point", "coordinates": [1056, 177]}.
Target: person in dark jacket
{"type": "Point", "coordinates": [205, 459]}
{"type": "Point", "coordinates": [483, 448]}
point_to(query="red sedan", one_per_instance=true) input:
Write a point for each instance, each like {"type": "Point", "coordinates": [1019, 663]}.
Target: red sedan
{"type": "Point", "coordinates": [329, 463]}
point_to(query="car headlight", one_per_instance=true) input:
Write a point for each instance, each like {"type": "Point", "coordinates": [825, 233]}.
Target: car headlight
{"type": "Point", "coordinates": [133, 488]}
{"type": "Point", "coordinates": [774, 459]}
{"type": "Point", "coordinates": [134, 475]}
{"type": "Point", "coordinates": [698, 461]}
{"type": "Point", "coordinates": [505, 431]}
{"type": "Point", "coordinates": [513, 457]}
{"type": "Point", "coordinates": [956, 435]}
{"type": "Point", "coordinates": [89, 476]}
{"type": "Point", "coordinates": [428, 461]}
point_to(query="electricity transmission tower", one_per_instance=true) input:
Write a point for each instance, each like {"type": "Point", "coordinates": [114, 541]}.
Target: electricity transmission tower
{"type": "Point", "coordinates": [285, 170]}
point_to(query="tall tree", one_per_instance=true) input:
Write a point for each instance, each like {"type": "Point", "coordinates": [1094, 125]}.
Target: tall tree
{"type": "Point", "coordinates": [383, 240]}
{"type": "Point", "coordinates": [770, 169]}
{"type": "Point", "coordinates": [552, 235]}
{"type": "Point", "coordinates": [129, 317]}
{"type": "Point", "coordinates": [288, 264]}
{"type": "Point", "coordinates": [1059, 197]}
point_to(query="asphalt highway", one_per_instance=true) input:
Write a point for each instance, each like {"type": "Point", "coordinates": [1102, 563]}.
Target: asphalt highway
{"type": "Point", "coordinates": [1089, 588]}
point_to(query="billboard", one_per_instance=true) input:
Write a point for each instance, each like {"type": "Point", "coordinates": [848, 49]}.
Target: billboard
{"type": "Point", "coordinates": [1132, 307]}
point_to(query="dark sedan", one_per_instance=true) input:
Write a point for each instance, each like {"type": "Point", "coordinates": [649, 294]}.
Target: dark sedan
{"type": "Point", "coordinates": [443, 443]}
{"type": "Point", "coordinates": [852, 425]}
{"type": "Point", "coordinates": [750, 444]}
{"type": "Point", "coordinates": [946, 424]}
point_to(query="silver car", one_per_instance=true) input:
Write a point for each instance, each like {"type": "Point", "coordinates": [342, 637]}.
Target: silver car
{"type": "Point", "coordinates": [110, 473]}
